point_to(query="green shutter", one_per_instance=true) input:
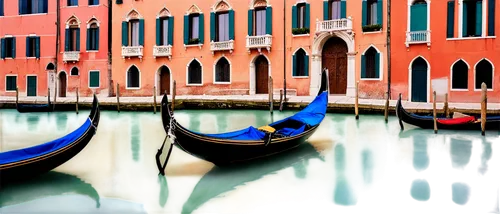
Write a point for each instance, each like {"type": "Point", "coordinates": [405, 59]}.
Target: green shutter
{"type": "Point", "coordinates": [377, 65]}
{"type": "Point", "coordinates": [201, 29]}
{"type": "Point", "coordinates": [491, 17]}
{"type": "Point", "coordinates": [13, 47]}
{"type": "Point", "coordinates": [170, 30]}
{"type": "Point", "coordinates": [94, 79]}
{"type": "Point", "coordinates": [250, 22]}
{"type": "Point", "coordinates": [158, 32]}
{"type": "Point", "coordinates": [380, 12]}
{"type": "Point", "coordinates": [96, 39]}
{"type": "Point", "coordinates": [212, 26]}
{"type": "Point", "coordinates": [269, 20]}
{"type": "Point", "coordinates": [343, 9]}
{"type": "Point", "coordinates": [78, 39]}
{"type": "Point", "coordinates": [141, 32]}
{"type": "Point", "coordinates": [31, 86]}
{"type": "Point", "coordinates": [2, 49]}
{"type": "Point", "coordinates": [479, 18]}
{"type": "Point", "coordinates": [364, 5]}
{"type": "Point", "coordinates": [294, 17]}
{"type": "Point", "coordinates": [37, 47]}
{"type": "Point", "coordinates": [66, 40]}
{"type": "Point", "coordinates": [124, 33]}
{"type": "Point", "coordinates": [326, 15]}
{"type": "Point", "coordinates": [306, 17]}
{"type": "Point", "coordinates": [88, 39]}
{"type": "Point", "coordinates": [363, 66]}
{"type": "Point", "coordinates": [28, 46]}
{"type": "Point", "coordinates": [231, 24]}
{"type": "Point", "coordinates": [186, 29]}
{"type": "Point", "coordinates": [306, 65]}
{"type": "Point", "coordinates": [294, 65]}
{"type": "Point", "coordinates": [464, 18]}
{"type": "Point", "coordinates": [450, 24]}
{"type": "Point", "coordinates": [418, 17]}
{"type": "Point", "coordinates": [119, 1]}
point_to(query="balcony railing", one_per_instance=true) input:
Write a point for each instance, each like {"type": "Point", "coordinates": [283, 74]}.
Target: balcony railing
{"type": "Point", "coordinates": [259, 42]}
{"type": "Point", "coordinates": [222, 46]}
{"type": "Point", "coordinates": [162, 51]}
{"type": "Point", "coordinates": [334, 25]}
{"type": "Point", "coordinates": [132, 51]}
{"type": "Point", "coordinates": [71, 56]}
{"type": "Point", "coordinates": [418, 37]}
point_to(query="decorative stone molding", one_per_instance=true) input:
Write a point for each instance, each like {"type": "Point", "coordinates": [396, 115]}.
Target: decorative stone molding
{"type": "Point", "coordinates": [221, 5]}
{"type": "Point", "coordinates": [164, 13]}
{"type": "Point", "coordinates": [133, 14]}
{"type": "Point", "coordinates": [193, 9]}
{"type": "Point", "coordinates": [73, 21]}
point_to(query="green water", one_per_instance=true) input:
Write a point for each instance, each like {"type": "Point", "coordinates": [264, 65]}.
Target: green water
{"type": "Point", "coordinates": [348, 166]}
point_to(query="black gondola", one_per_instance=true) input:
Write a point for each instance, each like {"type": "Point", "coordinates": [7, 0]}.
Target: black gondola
{"type": "Point", "coordinates": [247, 144]}
{"type": "Point", "coordinates": [427, 122]}
{"type": "Point", "coordinates": [29, 162]}
{"type": "Point", "coordinates": [32, 107]}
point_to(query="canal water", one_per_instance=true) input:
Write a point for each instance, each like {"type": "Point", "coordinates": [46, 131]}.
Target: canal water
{"type": "Point", "coordinates": [348, 166]}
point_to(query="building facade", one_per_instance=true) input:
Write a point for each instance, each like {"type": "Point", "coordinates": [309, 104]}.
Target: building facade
{"type": "Point", "coordinates": [234, 46]}
{"type": "Point", "coordinates": [83, 50]}
{"type": "Point", "coordinates": [454, 41]}
{"type": "Point", "coordinates": [27, 45]}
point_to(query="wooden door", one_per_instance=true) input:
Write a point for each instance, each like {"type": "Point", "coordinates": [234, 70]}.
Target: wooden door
{"type": "Point", "coordinates": [419, 81]}
{"type": "Point", "coordinates": [164, 80]}
{"type": "Point", "coordinates": [62, 84]}
{"type": "Point", "coordinates": [334, 58]}
{"type": "Point", "coordinates": [31, 86]}
{"type": "Point", "coordinates": [261, 75]}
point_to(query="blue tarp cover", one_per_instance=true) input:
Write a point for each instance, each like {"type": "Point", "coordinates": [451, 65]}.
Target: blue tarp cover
{"type": "Point", "coordinates": [312, 115]}
{"type": "Point", "coordinates": [35, 151]}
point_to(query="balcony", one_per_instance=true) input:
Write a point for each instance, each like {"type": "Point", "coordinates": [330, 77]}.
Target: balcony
{"type": "Point", "coordinates": [344, 24]}
{"type": "Point", "coordinates": [132, 51]}
{"type": "Point", "coordinates": [418, 37]}
{"type": "Point", "coordinates": [222, 46]}
{"type": "Point", "coordinates": [71, 56]}
{"type": "Point", "coordinates": [162, 51]}
{"type": "Point", "coordinates": [259, 42]}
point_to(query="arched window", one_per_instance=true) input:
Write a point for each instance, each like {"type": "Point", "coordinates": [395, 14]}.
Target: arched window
{"type": "Point", "coordinates": [260, 19]}
{"type": "Point", "coordinates": [194, 73]}
{"type": "Point", "coordinates": [50, 66]}
{"type": "Point", "coordinates": [194, 22]}
{"type": "Point", "coordinates": [72, 35]}
{"type": "Point", "coordinates": [133, 30]}
{"type": "Point", "coordinates": [133, 77]}
{"type": "Point", "coordinates": [74, 71]}
{"type": "Point", "coordinates": [370, 64]}
{"type": "Point", "coordinates": [93, 36]}
{"type": "Point", "coordinates": [459, 75]}
{"type": "Point", "coordinates": [484, 73]}
{"type": "Point", "coordinates": [164, 28]}
{"type": "Point", "coordinates": [222, 71]}
{"type": "Point", "coordinates": [300, 63]}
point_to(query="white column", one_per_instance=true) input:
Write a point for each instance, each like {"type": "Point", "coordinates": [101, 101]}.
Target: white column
{"type": "Point", "coordinates": [252, 79]}
{"type": "Point", "coordinates": [351, 74]}
{"type": "Point", "coordinates": [315, 75]}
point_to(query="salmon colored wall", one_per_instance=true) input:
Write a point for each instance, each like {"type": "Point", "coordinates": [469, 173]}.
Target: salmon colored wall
{"type": "Point", "coordinates": [89, 60]}
{"type": "Point", "coordinates": [442, 53]}
{"type": "Point", "coordinates": [40, 24]}
{"type": "Point", "coordinates": [240, 59]}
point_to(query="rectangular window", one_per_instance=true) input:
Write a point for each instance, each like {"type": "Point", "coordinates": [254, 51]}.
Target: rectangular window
{"type": "Point", "coordinates": [222, 27]}
{"type": "Point", "coordinates": [472, 18]}
{"type": "Point", "coordinates": [93, 2]}
{"type": "Point", "coordinates": [32, 6]}
{"type": "Point", "coordinates": [164, 31]}
{"type": "Point", "coordinates": [194, 21]}
{"type": "Point", "coordinates": [335, 10]}
{"type": "Point", "coordinates": [372, 12]}
{"type": "Point", "coordinates": [94, 79]}
{"type": "Point", "coordinates": [30, 46]}
{"type": "Point", "coordinates": [10, 83]}
{"type": "Point", "coordinates": [134, 33]}
{"type": "Point", "coordinates": [72, 3]}
{"type": "Point", "coordinates": [93, 38]}
{"type": "Point", "coordinates": [9, 47]}
{"type": "Point", "coordinates": [301, 9]}
{"type": "Point", "coordinates": [1, 8]}
{"type": "Point", "coordinates": [260, 22]}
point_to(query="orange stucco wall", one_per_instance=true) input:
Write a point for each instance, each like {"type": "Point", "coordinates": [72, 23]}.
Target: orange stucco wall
{"type": "Point", "coordinates": [21, 26]}
{"type": "Point", "coordinates": [442, 53]}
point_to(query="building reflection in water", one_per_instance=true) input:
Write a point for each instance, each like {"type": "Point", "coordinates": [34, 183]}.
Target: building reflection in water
{"type": "Point", "coordinates": [163, 190]}
{"type": "Point", "coordinates": [61, 120]}
{"type": "Point", "coordinates": [460, 193]}
{"type": "Point", "coordinates": [420, 189]}
{"type": "Point", "coordinates": [461, 151]}
{"type": "Point", "coordinates": [135, 137]}
{"type": "Point", "coordinates": [343, 194]}
{"type": "Point", "coordinates": [367, 161]}
{"type": "Point", "coordinates": [33, 122]}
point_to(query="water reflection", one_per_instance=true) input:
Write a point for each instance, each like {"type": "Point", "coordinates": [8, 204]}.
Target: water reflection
{"type": "Point", "coordinates": [367, 162]}
{"type": "Point", "coordinates": [61, 120]}
{"type": "Point", "coordinates": [420, 190]}
{"type": "Point", "coordinates": [461, 151]}
{"type": "Point", "coordinates": [343, 194]}
{"type": "Point", "coordinates": [135, 137]}
{"type": "Point", "coordinates": [485, 156]}
{"type": "Point", "coordinates": [163, 190]}
{"type": "Point", "coordinates": [300, 169]}
{"type": "Point", "coordinates": [194, 123]}
{"type": "Point", "coordinates": [460, 193]}
{"type": "Point", "coordinates": [33, 120]}
{"type": "Point", "coordinates": [420, 156]}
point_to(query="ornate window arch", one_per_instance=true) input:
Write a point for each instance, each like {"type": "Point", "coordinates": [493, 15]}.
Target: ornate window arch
{"type": "Point", "coordinates": [73, 22]}
{"type": "Point", "coordinates": [221, 5]}
{"type": "Point", "coordinates": [92, 21]}
{"type": "Point", "coordinates": [259, 3]}
{"type": "Point", "coordinates": [222, 71]}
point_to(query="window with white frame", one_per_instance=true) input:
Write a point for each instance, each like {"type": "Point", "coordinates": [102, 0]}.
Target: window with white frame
{"type": "Point", "coordinates": [194, 73]}
{"type": "Point", "coordinates": [222, 71]}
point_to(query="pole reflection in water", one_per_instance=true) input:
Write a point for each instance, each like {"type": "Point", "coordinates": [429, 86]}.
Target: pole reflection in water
{"type": "Point", "coordinates": [420, 189]}
{"type": "Point", "coordinates": [343, 194]}
{"type": "Point", "coordinates": [162, 180]}
{"type": "Point", "coordinates": [485, 156]}
{"type": "Point", "coordinates": [461, 151]}
{"type": "Point", "coordinates": [367, 161]}
{"type": "Point", "coordinates": [135, 137]}
{"type": "Point", "coordinates": [61, 120]}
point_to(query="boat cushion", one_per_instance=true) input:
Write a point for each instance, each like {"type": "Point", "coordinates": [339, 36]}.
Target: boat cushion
{"type": "Point", "coordinates": [267, 129]}
{"type": "Point", "coordinates": [42, 149]}
{"type": "Point", "coordinates": [456, 121]}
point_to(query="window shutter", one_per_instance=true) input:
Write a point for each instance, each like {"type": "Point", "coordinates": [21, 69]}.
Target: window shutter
{"type": "Point", "coordinates": [464, 24]}
{"type": "Point", "coordinates": [89, 34]}
{"type": "Point", "coordinates": [158, 32]}
{"type": "Point", "coordinates": [479, 18]}
{"type": "Point", "coordinates": [13, 47]}
{"type": "Point", "coordinates": [1, 7]}
{"type": "Point", "coordinates": [119, 1]}
{"type": "Point", "coordinates": [231, 24]}
{"type": "Point", "coordinates": [325, 10]}
{"type": "Point", "coordinates": [250, 22]}
{"type": "Point", "coordinates": [450, 26]}
{"type": "Point", "coordinates": [22, 7]}
{"type": "Point", "coordinates": [491, 18]}
{"type": "Point", "coordinates": [94, 79]}
{"type": "Point", "coordinates": [380, 12]}
{"type": "Point", "coordinates": [269, 20]}
{"type": "Point", "coordinates": [40, 6]}
{"type": "Point", "coordinates": [212, 26]}
{"type": "Point", "coordinates": [186, 29]}
{"type": "Point", "coordinates": [78, 39]}
{"type": "Point", "coordinates": [364, 5]}
{"type": "Point", "coordinates": [202, 29]}
{"type": "Point", "coordinates": [377, 65]}
{"type": "Point", "coordinates": [306, 65]}
{"type": "Point", "coordinates": [170, 38]}
{"type": "Point", "coordinates": [294, 65]}
{"type": "Point", "coordinates": [124, 33]}
{"type": "Point", "coordinates": [307, 21]}
{"type": "Point", "coordinates": [37, 47]}
{"type": "Point", "coordinates": [2, 49]}
{"type": "Point", "coordinates": [294, 17]}
{"type": "Point", "coordinates": [343, 9]}
{"type": "Point", "coordinates": [66, 40]}
{"type": "Point", "coordinates": [141, 32]}
{"type": "Point", "coordinates": [28, 46]}
{"type": "Point", "coordinates": [363, 66]}
{"type": "Point", "coordinates": [96, 39]}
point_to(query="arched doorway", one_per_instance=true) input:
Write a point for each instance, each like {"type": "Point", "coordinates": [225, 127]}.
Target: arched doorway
{"type": "Point", "coordinates": [261, 75]}
{"type": "Point", "coordinates": [419, 80]}
{"type": "Point", "coordinates": [51, 77]}
{"type": "Point", "coordinates": [164, 80]}
{"type": "Point", "coordinates": [62, 84]}
{"type": "Point", "coordinates": [334, 58]}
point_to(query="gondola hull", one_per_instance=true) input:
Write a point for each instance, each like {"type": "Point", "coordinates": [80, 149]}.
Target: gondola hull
{"type": "Point", "coordinates": [24, 108]}
{"type": "Point", "coordinates": [29, 168]}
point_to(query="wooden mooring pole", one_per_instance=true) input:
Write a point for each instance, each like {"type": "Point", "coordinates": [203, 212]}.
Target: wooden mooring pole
{"type": "Point", "coordinates": [48, 96]}
{"type": "Point", "coordinates": [356, 111]}
{"type": "Point", "coordinates": [446, 108]}
{"type": "Point", "coordinates": [174, 92]}
{"type": "Point", "coordinates": [77, 99]}
{"type": "Point", "coordinates": [154, 99]}
{"type": "Point", "coordinates": [281, 100]}
{"type": "Point", "coordinates": [118, 96]}
{"type": "Point", "coordinates": [386, 108]}
{"type": "Point", "coordinates": [270, 91]}
{"type": "Point", "coordinates": [434, 112]}
{"type": "Point", "coordinates": [484, 103]}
